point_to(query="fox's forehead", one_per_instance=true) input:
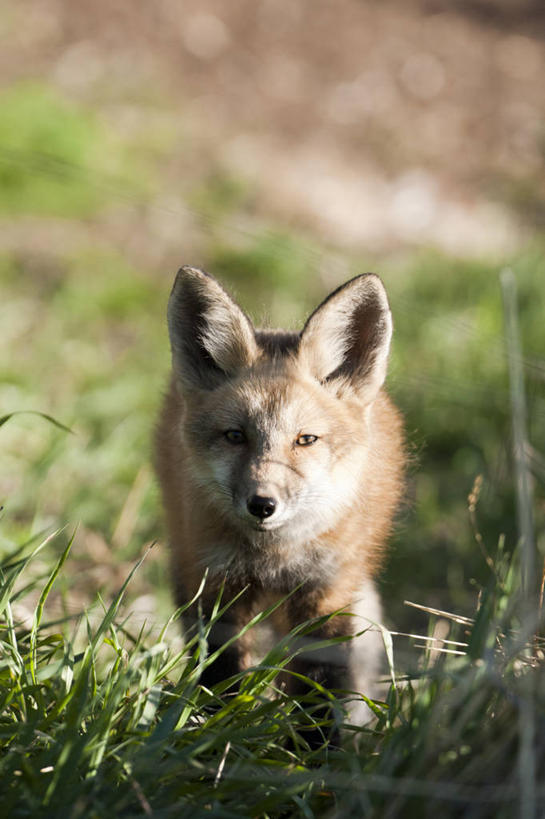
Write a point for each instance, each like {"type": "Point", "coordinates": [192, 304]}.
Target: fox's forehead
{"type": "Point", "coordinates": [270, 402]}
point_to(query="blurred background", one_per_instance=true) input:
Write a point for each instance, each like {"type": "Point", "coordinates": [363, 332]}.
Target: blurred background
{"type": "Point", "coordinates": [285, 148]}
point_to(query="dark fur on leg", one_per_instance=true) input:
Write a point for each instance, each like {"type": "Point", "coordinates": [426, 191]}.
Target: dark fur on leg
{"type": "Point", "coordinates": [227, 664]}
{"type": "Point", "coordinates": [328, 668]}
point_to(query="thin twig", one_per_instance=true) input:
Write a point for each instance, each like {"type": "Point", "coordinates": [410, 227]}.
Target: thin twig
{"type": "Point", "coordinates": [222, 764]}
{"type": "Point", "coordinates": [457, 618]}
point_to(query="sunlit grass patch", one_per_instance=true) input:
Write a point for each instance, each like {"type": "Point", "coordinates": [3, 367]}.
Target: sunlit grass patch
{"type": "Point", "coordinates": [86, 349]}
{"type": "Point", "coordinates": [57, 158]}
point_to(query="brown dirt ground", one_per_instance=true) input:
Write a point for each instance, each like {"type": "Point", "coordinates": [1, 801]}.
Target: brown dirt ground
{"type": "Point", "coordinates": [375, 123]}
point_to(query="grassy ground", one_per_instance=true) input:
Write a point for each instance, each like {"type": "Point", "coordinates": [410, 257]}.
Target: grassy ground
{"type": "Point", "coordinates": [100, 718]}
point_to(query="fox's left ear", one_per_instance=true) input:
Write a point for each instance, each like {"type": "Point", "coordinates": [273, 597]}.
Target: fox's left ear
{"type": "Point", "coordinates": [347, 338]}
{"type": "Point", "coordinates": [211, 338]}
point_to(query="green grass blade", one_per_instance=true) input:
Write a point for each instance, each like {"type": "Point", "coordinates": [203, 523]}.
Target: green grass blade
{"type": "Point", "coordinates": [5, 418]}
{"type": "Point", "coordinates": [38, 612]}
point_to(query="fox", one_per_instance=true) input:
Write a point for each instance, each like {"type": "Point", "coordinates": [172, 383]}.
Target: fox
{"type": "Point", "coordinates": [280, 460]}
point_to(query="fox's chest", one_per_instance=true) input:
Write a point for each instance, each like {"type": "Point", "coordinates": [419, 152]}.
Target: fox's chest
{"type": "Point", "coordinates": [276, 568]}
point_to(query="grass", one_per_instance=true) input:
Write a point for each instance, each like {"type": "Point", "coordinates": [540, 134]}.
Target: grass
{"type": "Point", "coordinates": [101, 720]}
{"type": "Point", "coordinates": [101, 712]}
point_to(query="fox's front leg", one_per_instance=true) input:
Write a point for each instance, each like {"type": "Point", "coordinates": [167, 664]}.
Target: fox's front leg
{"type": "Point", "coordinates": [328, 666]}
{"type": "Point", "coordinates": [232, 658]}
{"type": "Point", "coordinates": [352, 664]}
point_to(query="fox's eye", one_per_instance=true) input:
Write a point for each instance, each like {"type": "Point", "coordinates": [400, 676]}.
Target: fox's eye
{"type": "Point", "coordinates": [234, 436]}
{"type": "Point", "coordinates": [306, 440]}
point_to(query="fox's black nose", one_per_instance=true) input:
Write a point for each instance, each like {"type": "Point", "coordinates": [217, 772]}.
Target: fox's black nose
{"type": "Point", "coordinates": [261, 507]}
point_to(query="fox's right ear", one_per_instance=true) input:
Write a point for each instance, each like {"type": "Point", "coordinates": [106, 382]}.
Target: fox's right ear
{"type": "Point", "coordinates": [347, 339]}
{"type": "Point", "coordinates": [211, 338]}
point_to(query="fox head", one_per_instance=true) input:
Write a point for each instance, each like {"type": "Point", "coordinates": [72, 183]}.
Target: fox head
{"type": "Point", "coordinates": [276, 426]}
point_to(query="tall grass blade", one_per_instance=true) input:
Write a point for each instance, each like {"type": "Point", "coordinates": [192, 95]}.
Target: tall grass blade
{"type": "Point", "coordinates": [41, 603]}
{"type": "Point", "coordinates": [518, 415]}
{"type": "Point", "coordinates": [529, 607]}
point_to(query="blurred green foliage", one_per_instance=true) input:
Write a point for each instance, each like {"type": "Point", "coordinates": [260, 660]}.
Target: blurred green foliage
{"type": "Point", "coordinates": [88, 349]}
{"type": "Point", "coordinates": [449, 374]}
{"type": "Point", "coordinates": [55, 157]}
{"type": "Point", "coordinates": [271, 274]}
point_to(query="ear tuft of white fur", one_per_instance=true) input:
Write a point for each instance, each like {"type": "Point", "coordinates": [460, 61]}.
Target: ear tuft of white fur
{"type": "Point", "coordinates": [211, 338]}
{"type": "Point", "coordinates": [348, 336]}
